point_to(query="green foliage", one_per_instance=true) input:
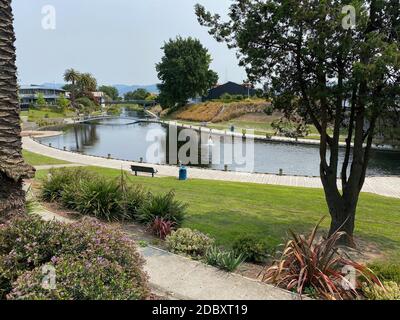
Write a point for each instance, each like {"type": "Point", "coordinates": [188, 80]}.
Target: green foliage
{"type": "Point", "coordinates": [138, 94]}
{"type": "Point", "coordinates": [291, 128]}
{"type": "Point", "coordinates": [390, 291]}
{"type": "Point", "coordinates": [253, 249]}
{"type": "Point", "coordinates": [225, 260]}
{"type": "Point", "coordinates": [63, 103]}
{"type": "Point", "coordinates": [95, 197]}
{"type": "Point", "coordinates": [269, 110]}
{"type": "Point", "coordinates": [163, 206]}
{"type": "Point", "coordinates": [189, 242]}
{"type": "Point", "coordinates": [114, 110]}
{"type": "Point", "coordinates": [86, 105]}
{"type": "Point", "coordinates": [110, 91]}
{"type": "Point", "coordinates": [88, 194]}
{"type": "Point", "coordinates": [40, 100]}
{"type": "Point", "coordinates": [134, 199]}
{"type": "Point", "coordinates": [386, 271]}
{"type": "Point", "coordinates": [184, 72]}
{"type": "Point", "coordinates": [91, 260]}
{"type": "Point", "coordinates": [313, 66]}
{"type": "Point", "coordinates": [53, 186]}
{"type": "Point", "coordinates": [315, 264]}
{"type": "Point", "coordinates": [228, 98]}
{"type": "Point", "coordinates": [81, 84]}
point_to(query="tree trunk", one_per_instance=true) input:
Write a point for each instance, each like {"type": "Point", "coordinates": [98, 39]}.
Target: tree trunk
{"type": "Point", "coordinates": [13, 169]}
{"type": "Point", "coordinates": [343, 215]}
{"type": "Point", "coordinates": [342, 208]}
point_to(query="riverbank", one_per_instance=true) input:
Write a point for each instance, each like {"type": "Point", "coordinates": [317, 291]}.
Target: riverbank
{"type": "Point", "coordinates": [385, 186]}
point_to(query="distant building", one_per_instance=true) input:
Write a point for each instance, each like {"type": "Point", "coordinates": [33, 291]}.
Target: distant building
{"type": "Point", "coordinates": [28, 95]}
{"type": "Point", "coordinates": [100, 98]}
{"type": "Point", "coordinates": [231, 88]}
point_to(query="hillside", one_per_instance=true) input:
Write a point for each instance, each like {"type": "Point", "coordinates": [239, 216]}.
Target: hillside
{"type": "Point", "coordinates": [215, 111]}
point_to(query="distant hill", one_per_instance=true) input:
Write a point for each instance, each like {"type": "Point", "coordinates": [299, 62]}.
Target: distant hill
{"type": "Point", "coordinates": [122, 88]}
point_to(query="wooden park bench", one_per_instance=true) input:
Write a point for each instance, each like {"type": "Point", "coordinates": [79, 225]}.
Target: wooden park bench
{"type": "Point", "coordinates": [137, 169]}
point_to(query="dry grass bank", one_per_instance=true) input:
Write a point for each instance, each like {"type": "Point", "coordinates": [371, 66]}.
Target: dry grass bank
{"type": "Point", "coordinates": [215, 111]}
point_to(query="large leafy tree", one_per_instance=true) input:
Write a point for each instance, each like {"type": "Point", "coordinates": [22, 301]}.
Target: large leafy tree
{"type": "Point", "coordinates": [13, 169]}
{"type": "Point", "coordinates": [184, 72]}
{"type": "Point", "coordinates": [329, 74]}
{"type": "Point", "coordinates": [110, 91]}
{"type": "Point", "coordinates": [138, 94]}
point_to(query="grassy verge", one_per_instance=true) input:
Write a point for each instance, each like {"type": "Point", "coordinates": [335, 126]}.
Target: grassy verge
{"type": "Point", "coordinates": [36, 115]}
{"type": "Point", "coordinates": [226, 210]}
{"type": "Point", "coordinates": [35, 159]}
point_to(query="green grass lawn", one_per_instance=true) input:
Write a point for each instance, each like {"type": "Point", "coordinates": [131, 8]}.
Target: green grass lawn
{"type": "Point", "coordinates": [35, 115]}
{"type": "Point", "coordinates": [35, 159]}
{"type": "Point", "coordinates": [226, 210]}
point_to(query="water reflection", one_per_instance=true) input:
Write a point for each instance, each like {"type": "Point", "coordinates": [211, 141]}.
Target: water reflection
{"type": "Point", "coordinates": [124, 140]}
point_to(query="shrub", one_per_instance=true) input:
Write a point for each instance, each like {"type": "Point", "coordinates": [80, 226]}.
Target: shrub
{"type": "Point", "coordinates": [386, 271]}
{"type": "Point", "coordinates": [100, 198]}
{"type": "Point", "coordinates": [189, 242]}
{"type": "Point", "coordinates": [269, 110]}
{"type": "Point", "coordinates": [54, 185]}
{"type": "Point", "coordinates": [389, 291]}
{"type": "Point", "coordinates": [163, 206]}
{"type": "Point", "coordinates": [135, 198]}
{"type": "Point", "coordinates": [92, 261]}
{"type": "Point", "coordinates": [308, 263]}
{"type": "Point", "coordinates": [83, 278]}
{"type": "Point", "coordinates": [162, 228]}
{"type": "Point", "coordinates": [225, 260]}
{"type": "Point", "coordinates": [253, 249]}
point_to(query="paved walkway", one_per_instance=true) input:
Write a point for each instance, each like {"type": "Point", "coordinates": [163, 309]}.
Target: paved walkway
{"type": "Point", "coordinates": [177, 277]}
{"type": "Point", "coordinates": [386, 186]}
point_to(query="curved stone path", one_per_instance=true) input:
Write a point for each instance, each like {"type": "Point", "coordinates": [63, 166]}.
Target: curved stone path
{"type": "Point", "coordinates": [385, 186]}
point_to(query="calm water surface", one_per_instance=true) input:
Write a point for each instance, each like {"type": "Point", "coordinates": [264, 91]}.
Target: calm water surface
{"type": "Point", "coordinates": [127, 140]}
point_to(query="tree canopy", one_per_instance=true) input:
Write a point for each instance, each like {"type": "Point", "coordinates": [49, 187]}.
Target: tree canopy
{"type": "Point", "coordinates": [138, 94]}
{"type": "Point", "coordinates": [184, 72]}
{"type": "Point", "coordinates": [81, 85]}
{"type": "Point", "coordinates": [110, 91]}
{"type": "Point", "coordinates": [328, 67]}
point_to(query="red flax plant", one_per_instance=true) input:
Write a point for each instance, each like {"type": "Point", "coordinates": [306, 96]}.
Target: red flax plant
{"type": "Point", "coordinates": [162, 228]}
{"type": "Point", "coordinates": [311, 265]}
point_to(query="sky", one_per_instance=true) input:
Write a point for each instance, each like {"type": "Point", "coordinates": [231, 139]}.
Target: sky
{"type": "Point", "coordinates": [118, 41]}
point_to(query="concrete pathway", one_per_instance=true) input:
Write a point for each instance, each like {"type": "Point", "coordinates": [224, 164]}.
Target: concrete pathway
{"type": "Point", "coordinates": [176, 277]}
{"type": "Point", "coordinates": [386, 186]}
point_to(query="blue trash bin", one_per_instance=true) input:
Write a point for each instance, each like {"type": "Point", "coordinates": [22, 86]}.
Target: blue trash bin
{"type": "Point", "coordinates": [183, 173]}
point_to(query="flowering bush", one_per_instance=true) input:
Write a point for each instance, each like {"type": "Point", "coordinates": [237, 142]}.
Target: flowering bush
{"type": "Point", "coordinates": [92, 261]}
{"type": "Point", "coordinates": [189, 242]}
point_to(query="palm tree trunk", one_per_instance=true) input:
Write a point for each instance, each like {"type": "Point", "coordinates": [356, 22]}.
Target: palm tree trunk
{"type": "Point", "coordinates": [13, 169]}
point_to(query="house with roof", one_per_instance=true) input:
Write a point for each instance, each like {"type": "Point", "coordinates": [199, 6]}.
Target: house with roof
{"type": "Point", "coordinates": [28, 95]}
{"type": "Point", "coordinates": [231, 88]}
